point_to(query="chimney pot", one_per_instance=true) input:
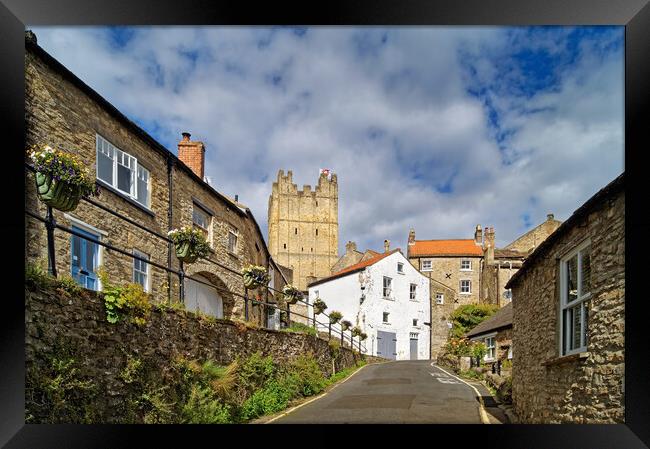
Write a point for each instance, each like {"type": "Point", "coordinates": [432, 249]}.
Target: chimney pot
{"type": "Point", "coordinates": [386, 245]}
{"type": "Point", "coordinates": [186, 136]}
{"type": "Point", "coordinates": [236, 198]}
{"type": "Point", "coordinates": [550, 216]}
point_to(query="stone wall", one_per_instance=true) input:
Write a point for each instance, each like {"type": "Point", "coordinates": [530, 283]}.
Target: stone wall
{"type": "Point", "coordinates": [303, 226]}
{"type": "Point", "coordinates": [55, 321]}
{"type": "Point", "coordinates": [61, 114]}
{"type": "Point", "coordinates": [440, 316]}
{"type": "Point", "coordinates": [584, 388]}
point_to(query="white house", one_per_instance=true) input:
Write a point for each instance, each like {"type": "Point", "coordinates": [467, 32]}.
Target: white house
{"type": "Point", "coordinates": [387, 298]}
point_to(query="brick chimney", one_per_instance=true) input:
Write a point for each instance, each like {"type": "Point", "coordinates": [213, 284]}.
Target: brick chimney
{"type": "Point", "coordinates": [478, 235]}
{"type": "Point", "coordinates": [386, 246]}
{"type": "Point", "coordinates": [350, 246]}
{"type": "Point", "coordinates": [192, 154]}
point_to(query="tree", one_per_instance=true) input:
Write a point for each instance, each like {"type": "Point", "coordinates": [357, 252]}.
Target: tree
{"type": "Point", "coordinates": [466, 317]}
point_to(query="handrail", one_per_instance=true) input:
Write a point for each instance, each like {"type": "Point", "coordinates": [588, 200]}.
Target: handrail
{"type": "Point", "coordinates": [51, 223]}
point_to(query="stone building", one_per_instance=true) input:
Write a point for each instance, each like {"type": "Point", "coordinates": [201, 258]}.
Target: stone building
{"type": "Point", "coordinates": [351, 257]}
{"type": "Point", "coordinates": [304, 227]}
{"type": "Point", "coordinates": [142, 180]}
{"type": "Point", "coordinates": [454, 268]}
{"type": "Point", "coordinates": [569, 318]}
{"type": "Point", "coordinates": [387, 298]}
{"type": "Point", "coordinates": [500, 264]}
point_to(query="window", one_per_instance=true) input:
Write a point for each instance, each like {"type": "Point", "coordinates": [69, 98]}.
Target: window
{"type": "Point", "coordinates": [296, 231]}
{"type": "Point", "coordinates": [466, 265]}
{"type": "Point", "coordinates": [415, 322]}
{"type": "Point", "coordinates": [510, 353]}
{"type": "Point", "coordinates": [201, 220]}
{"type": "Point", "coordinates": [426, 265]}
{"type": "Point", "coordinates": [316, 231]}
{"type": "Point", "coordinates": [385, 318]}
{"type": "Point", "coordinates": [400, 267]}
{"type": "Point", "coordinates": [141, 270]}
{"type": "Point", "coordinates": [491, 348]}
{"type": "Point", "coordinates": [85, 259]}
{"type": "Point", "coordinates": [271, 277]}
{"type": "Point", "coordinates": [285, 246]}
{"type": "Point", "coordinates": [122, 171]}
{"type": "Point", "coordinates": [387, 283]}
{"type": "Point", "coordinates": [575, 290]}
{"type": "Point", "coordinates": [465, 287]}
{"type": "Point", "coordinates": [412, 291]}
{"type": "Point", "coordinates": [232, 242]}
{"type": "Point", "coordinates": [440, 298]}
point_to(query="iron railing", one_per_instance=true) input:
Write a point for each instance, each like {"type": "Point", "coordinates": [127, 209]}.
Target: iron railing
{"type": "Point", "coordinates": [51, 225]}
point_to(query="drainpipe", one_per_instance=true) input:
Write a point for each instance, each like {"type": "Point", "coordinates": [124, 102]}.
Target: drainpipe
{"type": "Point", "coordinates": [170, 164]}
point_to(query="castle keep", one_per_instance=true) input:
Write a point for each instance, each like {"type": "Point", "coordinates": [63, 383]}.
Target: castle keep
{"type": "Point", "coordinates": [304, 226]}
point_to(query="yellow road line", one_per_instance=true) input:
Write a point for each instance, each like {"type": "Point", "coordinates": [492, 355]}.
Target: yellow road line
{"type": "Point", "coordinates": [481, 408]}
{"type": "Point", "coordinates": [317, 397]}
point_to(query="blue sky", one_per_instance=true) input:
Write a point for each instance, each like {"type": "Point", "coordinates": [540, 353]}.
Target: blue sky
{"type": "Point", "coordinates": [432, 128]}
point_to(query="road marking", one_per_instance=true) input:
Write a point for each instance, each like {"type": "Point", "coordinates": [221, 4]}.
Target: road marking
{"type": "Point", "coordinates": [446, 380]}
{"type": "Point", "coordinates": [482, 412]}
{"type": "Point", "coordinates": [317, 397]}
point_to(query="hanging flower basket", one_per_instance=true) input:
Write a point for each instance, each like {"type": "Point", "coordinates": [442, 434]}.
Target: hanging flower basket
{"type": "Point", "coordinates": [61, 180]}
{"type": "Point", "coordinates": [284, 317]}
{"type": "Point", "coordinates": [345, 325]}
{"type": "Point", "coordinates": [291, 294]}
{"type": "Point", "coordinates": [363, 336]}
{"type": "Point", "coordinates": [356, 331]}
{"type": "Point", "coordinates": [255, 276]}
{"type": "Point", "coordinates": [335, 316]}
{"type": "Point", "coordinates": [190, 244]}
{"type": "Point", "coordinates": [319, 306]}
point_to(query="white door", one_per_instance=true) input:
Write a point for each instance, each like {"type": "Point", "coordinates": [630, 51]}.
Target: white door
{"type": "Point", "coordinates": [273, 315]}
{"type": "Point", "coordinates": [203, 297]}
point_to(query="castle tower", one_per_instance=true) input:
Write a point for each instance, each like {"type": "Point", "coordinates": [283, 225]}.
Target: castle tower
{"type": "Point", "coordinates": [304, 226]}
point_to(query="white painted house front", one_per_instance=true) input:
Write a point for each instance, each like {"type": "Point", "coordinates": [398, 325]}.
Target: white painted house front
{"type": "Point", "coordinates": [387, 298]}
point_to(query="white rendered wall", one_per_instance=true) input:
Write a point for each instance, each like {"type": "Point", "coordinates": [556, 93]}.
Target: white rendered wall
{"type": "Point", "coordinates": [343, 294]}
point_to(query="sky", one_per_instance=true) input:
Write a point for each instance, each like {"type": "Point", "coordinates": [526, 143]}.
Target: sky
{"type": "Point", "coordinates": [437, 129]}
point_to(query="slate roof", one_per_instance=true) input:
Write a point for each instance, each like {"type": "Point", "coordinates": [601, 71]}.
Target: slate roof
{"type": "Point", "coordinates": [501, 319]}
{"type": "Point", "coordinates": [457, 247]}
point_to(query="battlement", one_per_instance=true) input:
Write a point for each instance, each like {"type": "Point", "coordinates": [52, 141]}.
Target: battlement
{"type": "Point", "coordinates": [327, 185]}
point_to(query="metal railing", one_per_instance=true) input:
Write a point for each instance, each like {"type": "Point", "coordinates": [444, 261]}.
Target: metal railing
{"type": "Point", "coordinates": [51, 225]}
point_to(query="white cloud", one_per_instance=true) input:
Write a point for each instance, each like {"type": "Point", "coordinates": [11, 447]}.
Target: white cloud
{"type": "Point", "coordinates": [393, 119]}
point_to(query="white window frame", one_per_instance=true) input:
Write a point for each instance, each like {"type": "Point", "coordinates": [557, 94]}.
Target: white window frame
{"type": "Point", "coordinates": [489, 347]}
{"type": "Point", "coordinates": [460, 285]}
{"type": "Point", "coordinates": [581, 301]}
{"type": "Point", "coordinates": [236, 234]}
{"type": "Point", "coordinates": [386, 291]}
{"type": "Point", "coordinates": [429, 262]}
{"type": "Point", "coordinates": [413, 292]}
{"type": "Point", "coordinates": [208, 230]}
{"type": "Point", "coordinates": [463, 261]}
{"type": "Point", "coordinates": [400, 265]}
{"type": "Point", "coordinates": [441, 299]}
{"type": "Point", "coordinates": [147, 286]}
{"type": "Point", "coordinates": [136, 169]}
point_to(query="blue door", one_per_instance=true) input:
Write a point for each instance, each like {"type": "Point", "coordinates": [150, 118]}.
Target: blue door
{"type": "Point", "coordinates": [85, 259]}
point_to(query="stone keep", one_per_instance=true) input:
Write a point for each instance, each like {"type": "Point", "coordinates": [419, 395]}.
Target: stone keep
{"type": "Point", "coordinates": [304, 226]}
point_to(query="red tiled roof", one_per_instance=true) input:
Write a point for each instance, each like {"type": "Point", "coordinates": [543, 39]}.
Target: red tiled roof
{"type": "Point", "coordinates": [356, 267]}
{"type": "Point", "coordinates": [465, 247]}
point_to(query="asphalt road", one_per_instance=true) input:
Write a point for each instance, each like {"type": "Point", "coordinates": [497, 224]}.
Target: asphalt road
{"type": "Point", "coordinates": [396, 392]}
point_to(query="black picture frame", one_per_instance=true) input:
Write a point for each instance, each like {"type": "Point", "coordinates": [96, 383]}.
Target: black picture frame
{"type": "Point", "coordinates": [15, 15]}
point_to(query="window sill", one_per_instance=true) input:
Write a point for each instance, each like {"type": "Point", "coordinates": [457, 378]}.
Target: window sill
{"type": "Point", "coordinates": [567, 359]}
{"type": "Point", "coordinates": [232, 254]}
{"type": "Point", "coordinates": [388, 299]}
{"type": "Point", "coordinates": [400, 272]}
{"type": "Point", "coordinates": [465, 293]}
{"type": "Point", "coordinates": [133, 202]}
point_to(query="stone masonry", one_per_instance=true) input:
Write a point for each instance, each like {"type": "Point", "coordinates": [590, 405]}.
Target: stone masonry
{"type": "Point", "coordinates": [587, 387]}
{"type": "Point", "coordinates": [303, 226]}
{"type": "Point", "coordinates": [64, 113]}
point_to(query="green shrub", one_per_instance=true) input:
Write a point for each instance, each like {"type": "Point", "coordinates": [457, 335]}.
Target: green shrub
{"type": "Point", "coordinates": [255, 371]}
{"type": "Point", "coordinates": [471, 374]}
{"type": "Point", "coordinates": [275, 396]}
{"type": "Point", "coordinates": [204, 407]}
{"type": "Point", "coordinates": [466, 317]}
{"type": "Point", "coordinates": [309, 375]}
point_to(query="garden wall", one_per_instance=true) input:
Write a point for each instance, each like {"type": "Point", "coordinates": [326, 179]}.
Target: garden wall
{"type": "Point", "coordinates": [61, 326]}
